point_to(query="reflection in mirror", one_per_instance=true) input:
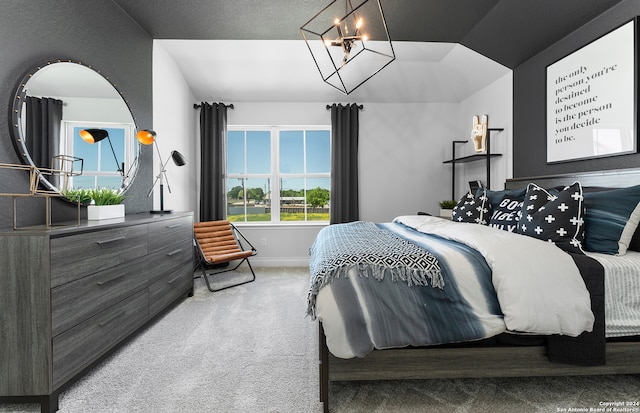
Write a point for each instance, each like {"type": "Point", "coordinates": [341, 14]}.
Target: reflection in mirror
{"type": "Point", "coordinates": [56, 101]}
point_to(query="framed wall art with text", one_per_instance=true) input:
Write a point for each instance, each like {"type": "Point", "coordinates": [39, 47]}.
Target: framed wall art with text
{"type": "Point", "coordinates": [591, 99]}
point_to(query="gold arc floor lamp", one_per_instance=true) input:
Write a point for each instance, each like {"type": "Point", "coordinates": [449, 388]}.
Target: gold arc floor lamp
{"type": "Point", "coordinates": [148, 137]}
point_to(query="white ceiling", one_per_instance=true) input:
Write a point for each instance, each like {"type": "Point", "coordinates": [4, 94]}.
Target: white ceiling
{"type": "Point", "coordinates": [283, 70]}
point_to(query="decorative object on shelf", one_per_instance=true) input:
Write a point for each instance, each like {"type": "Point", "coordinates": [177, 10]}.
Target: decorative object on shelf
{"type": "Point", "coordinates": [148, 137]}
{"type": "Point", "coordinates": [36, 176]}
{"type": "Point", "coordinates": [107, 204]}
{"type": "Point", "coordinates": [479, 133]}
{"type": "Point", "coordinates": [81, 195]}
{"type": "Point", "coordinates": [349, 42]}
{"type": "Point", "coordinates": [96, 135]}
{"type": "Point", "coordinates": [446, 207]}
{"type": "Point", "coordinates": [65, 167]}
{"type": "Point", "coordinates": [98, 212]}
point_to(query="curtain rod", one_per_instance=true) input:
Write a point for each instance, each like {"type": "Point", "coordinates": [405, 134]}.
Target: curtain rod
{"type": "Point", "coordinates": [359, 106]}
{"type": "Point", "coordinates": [196, 106]}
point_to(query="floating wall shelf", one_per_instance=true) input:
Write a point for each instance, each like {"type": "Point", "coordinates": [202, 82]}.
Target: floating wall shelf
{"type": "Point", "coordinates": [471, 158]}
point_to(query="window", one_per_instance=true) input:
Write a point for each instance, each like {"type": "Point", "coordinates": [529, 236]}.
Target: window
{"type": "Point", "coordinates": [278, 174]}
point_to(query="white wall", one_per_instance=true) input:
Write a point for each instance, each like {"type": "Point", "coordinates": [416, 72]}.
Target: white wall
{"type": "Point", "coordinates": [401, 150]}
{"type": "Point", "coordinates": [496, 101]}
{"type": "Point", "coordinates": [175, 122]}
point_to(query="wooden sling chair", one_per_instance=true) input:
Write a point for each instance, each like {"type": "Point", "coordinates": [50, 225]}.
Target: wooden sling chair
{"type": "Point", "coordinates": [218, 243]}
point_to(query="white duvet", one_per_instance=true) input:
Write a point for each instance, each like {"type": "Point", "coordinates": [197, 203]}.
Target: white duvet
{"type": "Point", "coordinates": [538, 285]}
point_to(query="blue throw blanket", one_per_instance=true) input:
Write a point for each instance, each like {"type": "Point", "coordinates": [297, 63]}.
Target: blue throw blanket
{"type": "Point", "coordinates": [374, 251]}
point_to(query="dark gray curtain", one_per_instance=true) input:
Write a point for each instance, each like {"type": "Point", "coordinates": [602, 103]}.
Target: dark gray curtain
{"type": "Point", "coordinates": [344, 163]}
{"type": "Point", "coordinates": [213, 133]}
{"type": "Point", "coordinates": [43, 118]}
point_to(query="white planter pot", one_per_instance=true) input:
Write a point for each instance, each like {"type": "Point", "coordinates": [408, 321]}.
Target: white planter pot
{"type": "Point", "coordinates": [97, 212]}
{"type": "Point", "coordinates": [446, 213]}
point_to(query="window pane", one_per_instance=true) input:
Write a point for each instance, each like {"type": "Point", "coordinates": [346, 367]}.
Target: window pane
{"type": "Point", "coordinates": [84, 150]}
{"type": "Point", "coordinates": [235, 199]}
{"type": "Point", "coordinates": [109, 164]}
{"type": "Point", "coordinates": [318, 151]}
{"type": "Point", "coordinates": [235, 152]}
{"type": "Point", "coordinates": [113, 182]}
{"type": "Point", "coordinates": [292, 200]}
{"type": "Point", "coordinates": [318, 196]}
{"type": "Point", "coordinates": [258, 152]}
{"type": "Point", "coordinates": [248, 199]}
{"type": "Point", "coordinates": [84, 181]}
{"type": "Point", "coordinates": [258, 200]}
{"type": "Point", "coordinates": [291, 152]}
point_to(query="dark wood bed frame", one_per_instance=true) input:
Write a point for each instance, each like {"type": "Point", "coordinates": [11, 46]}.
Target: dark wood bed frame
{"type": "Point", "coordinates": [481, 362]}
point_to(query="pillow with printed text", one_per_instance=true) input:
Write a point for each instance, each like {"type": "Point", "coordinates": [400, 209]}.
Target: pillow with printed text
{"type": "Point", "coordinates": [506, 213]}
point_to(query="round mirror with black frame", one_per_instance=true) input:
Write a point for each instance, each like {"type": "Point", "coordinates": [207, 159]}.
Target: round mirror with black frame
{"type": "Point", "coordinates": [55, 104]}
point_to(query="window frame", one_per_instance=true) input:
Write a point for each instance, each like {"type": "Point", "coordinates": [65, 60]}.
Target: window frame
{"type": "Point", "coordinates": [274, 175]}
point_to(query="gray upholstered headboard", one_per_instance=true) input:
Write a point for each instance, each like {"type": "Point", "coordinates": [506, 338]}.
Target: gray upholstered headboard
{"type": "Point", "coordinates": [618, 178]}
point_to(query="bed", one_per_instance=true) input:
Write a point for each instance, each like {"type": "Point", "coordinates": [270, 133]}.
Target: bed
{"type": "Point", "coordinates": [424, 298]}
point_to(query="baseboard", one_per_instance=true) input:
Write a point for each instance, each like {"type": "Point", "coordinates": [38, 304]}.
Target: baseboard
{"type": "Point", "coordinates": [279, 262]}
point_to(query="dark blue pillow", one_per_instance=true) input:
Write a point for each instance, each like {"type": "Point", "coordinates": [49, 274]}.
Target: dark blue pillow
{"type": "Point", "coordinates": [495, 197]}
{"type": "Point", "coordinates": [505, 208]}
{"type": "Point", "coordinates": [611, 218]}
{"type": "Point", "coordinates": [554, 217]}
{"type": "Point", "coordinates": [472, 208]}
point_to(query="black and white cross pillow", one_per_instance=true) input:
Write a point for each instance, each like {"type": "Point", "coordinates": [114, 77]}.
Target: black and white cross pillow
{"type": "Point", "coordinates": [557, 218]}
{"type": "Point", "coordinates": [472, 208]}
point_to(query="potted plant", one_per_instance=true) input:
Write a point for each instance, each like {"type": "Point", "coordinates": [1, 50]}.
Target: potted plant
{"type": "Point", "coordinates": [106, 204]}
{"type": "Point", "coordinates": [76, 195]}
{"type": "Point", "coordinates": [446, 207]}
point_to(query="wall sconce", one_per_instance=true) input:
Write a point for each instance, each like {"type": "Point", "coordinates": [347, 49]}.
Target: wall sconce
{"type": "Point", "coordinates": [148, 137]}
{"type": "Point", "coordinates": [96, 135]}
{"type": "Point", "coordinates": [349, 42]}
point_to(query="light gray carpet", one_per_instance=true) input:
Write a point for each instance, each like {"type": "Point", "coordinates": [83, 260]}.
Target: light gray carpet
{"type": "Point", "coordinates": [250, 349]}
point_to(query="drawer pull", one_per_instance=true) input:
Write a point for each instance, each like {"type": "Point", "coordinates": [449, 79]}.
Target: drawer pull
{"type": "Point", "coordinates": [106, 241]}
{"type": "Point", "coordinates": [173, 226]}
{"type": "Point", "coordinates": [174, 279]}
{"type": "Point", "coordinates": [101, 283]}
{"type": "Point", "coordinates": [174, 252]}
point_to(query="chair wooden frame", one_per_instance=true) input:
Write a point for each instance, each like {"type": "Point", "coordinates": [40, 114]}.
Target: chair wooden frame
{"type": "Point", "coordinates": [219, 243]}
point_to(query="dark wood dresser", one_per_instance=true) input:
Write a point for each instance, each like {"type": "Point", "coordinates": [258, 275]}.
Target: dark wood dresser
{"type": "Point", "coordinates": [69, 295]}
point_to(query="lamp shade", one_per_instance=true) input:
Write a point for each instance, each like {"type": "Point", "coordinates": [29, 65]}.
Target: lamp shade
{"type": "Point", "coordinates": [93, 135]}
{"type": "Point", "coordinates": [178, 158]}
{"type": "Point", "coordinates": [146, 136]}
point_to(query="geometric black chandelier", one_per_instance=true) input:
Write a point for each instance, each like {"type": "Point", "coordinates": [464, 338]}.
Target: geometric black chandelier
{"type": "Point", "coordinates": [349, 42]}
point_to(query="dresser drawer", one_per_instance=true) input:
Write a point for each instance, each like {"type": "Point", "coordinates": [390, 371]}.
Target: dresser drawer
{"type": "Point", "coordinates": [78, 255]}
{"type": "Point", "coordinates": [169, 260]}
{"type": "Point", "coordinates": [78, 300]}
{"type": "Point", "coordinates": [169, 232]}
{"type": "Point", "coordinates": [74, 349]}
{"type": "Point", "coordinates": [168, 288]}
